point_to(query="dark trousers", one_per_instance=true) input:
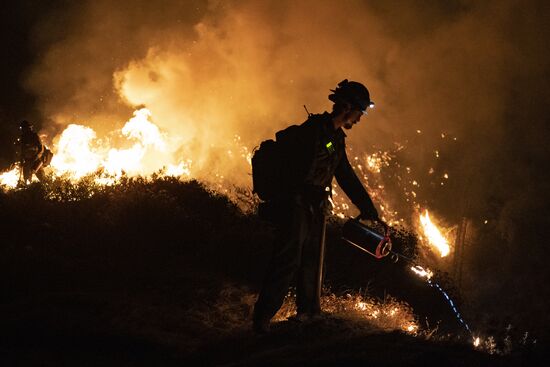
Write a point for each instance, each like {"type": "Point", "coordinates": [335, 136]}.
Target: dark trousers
{"type": "Point", "coordinates": [295, 255]}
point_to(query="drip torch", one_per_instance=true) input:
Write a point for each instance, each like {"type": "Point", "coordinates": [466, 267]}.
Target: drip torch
{"type": "Point", "coordinates": [367, 239]}
{"type": "Point", "coordinates": [379, 245]}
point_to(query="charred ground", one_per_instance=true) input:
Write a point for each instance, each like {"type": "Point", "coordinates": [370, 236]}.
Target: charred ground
{"type": "Point", "coordinates": [160, 272]}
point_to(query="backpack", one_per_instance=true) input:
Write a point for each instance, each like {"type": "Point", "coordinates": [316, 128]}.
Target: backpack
{"type": "Point", "coordinates": [276, 164]}
{"type": "Point", "coordinates": [267, 164]}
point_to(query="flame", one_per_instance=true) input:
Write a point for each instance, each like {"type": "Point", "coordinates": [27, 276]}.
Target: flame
{"type": "Point", "coordinates": [148, 134]}
{"type": "Point", "coordinates": [74, 155]}
{"type": "Point", "coordinates": [421, 272]}
{"type": "Point", "coordinates": [433, 234]}
{"type": "Point", "coordinates": [139, 148]}
{"type": "Point", "coordinates": [387, 314]}
{"type": "Point", "coordinates": [477, 342]}
{"type": "Point", "coordinates": [10, 179]}
{"type": "Point", "coordinates": [80, 153]}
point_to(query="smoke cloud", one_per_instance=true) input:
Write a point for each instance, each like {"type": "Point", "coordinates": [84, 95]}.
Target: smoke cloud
{"type": "Point", "coordinates": [466, 79]}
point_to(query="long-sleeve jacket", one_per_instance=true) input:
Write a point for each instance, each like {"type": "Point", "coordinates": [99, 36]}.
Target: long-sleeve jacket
{"type": "Point", "coordinates": [315, 154]}
{"type": "Point", "coordinates": [30, 145]}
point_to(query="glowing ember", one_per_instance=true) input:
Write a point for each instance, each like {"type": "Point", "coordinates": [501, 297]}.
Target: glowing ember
{"type": "Point", "coordinates": [369, 170]}
{"type": "Point", "coordinates": [376, 161]}
{"type": "Point", "coordinates": [388, 314]}
{"type": "Point", "coordinates": [412, 328]}
{"type": "Point", "coordinates": [433, 234]}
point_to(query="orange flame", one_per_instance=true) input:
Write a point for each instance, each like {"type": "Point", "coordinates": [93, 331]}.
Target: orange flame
{"type": "Point", "coordinates": [10, 179]}
{"type": "Point", "coordinates": [80, 153]}
{"type": "Point", "coordinates": [433, 235]}
{"type": "Point", "coordinates": [421, 272]}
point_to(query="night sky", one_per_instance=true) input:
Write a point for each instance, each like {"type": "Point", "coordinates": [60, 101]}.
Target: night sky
{"type": "Point", "coordinates": [475, 71]}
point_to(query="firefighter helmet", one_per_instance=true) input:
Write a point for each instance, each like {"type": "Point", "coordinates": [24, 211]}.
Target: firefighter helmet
{"type": "Point", "coordinates": [354, 93]}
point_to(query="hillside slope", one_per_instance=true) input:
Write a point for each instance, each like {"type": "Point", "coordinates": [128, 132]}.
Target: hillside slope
{"type": "Point", "coordinates": [163, 273]}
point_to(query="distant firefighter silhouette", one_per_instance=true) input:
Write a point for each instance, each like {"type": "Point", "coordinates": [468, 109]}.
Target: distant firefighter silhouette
{"type": "Point", "coordinates": [33, 156]}
{"type": "Point", "coordinates": [293, 176]}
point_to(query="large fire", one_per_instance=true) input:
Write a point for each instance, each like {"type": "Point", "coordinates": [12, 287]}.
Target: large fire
{"type": "Point", "coordinates": [143, 149]}
{"type": "Point", "coordinates": [79, 153]}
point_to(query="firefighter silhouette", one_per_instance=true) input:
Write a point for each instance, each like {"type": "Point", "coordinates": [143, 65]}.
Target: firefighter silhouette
{"type": "Point", "coordinates": [33, 155]}
{"type": "Point", "coordinates": [315, 153]}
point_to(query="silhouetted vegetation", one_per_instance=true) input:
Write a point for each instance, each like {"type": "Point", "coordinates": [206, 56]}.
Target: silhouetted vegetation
{"type": "Point", "coordinates": [162, 272]}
